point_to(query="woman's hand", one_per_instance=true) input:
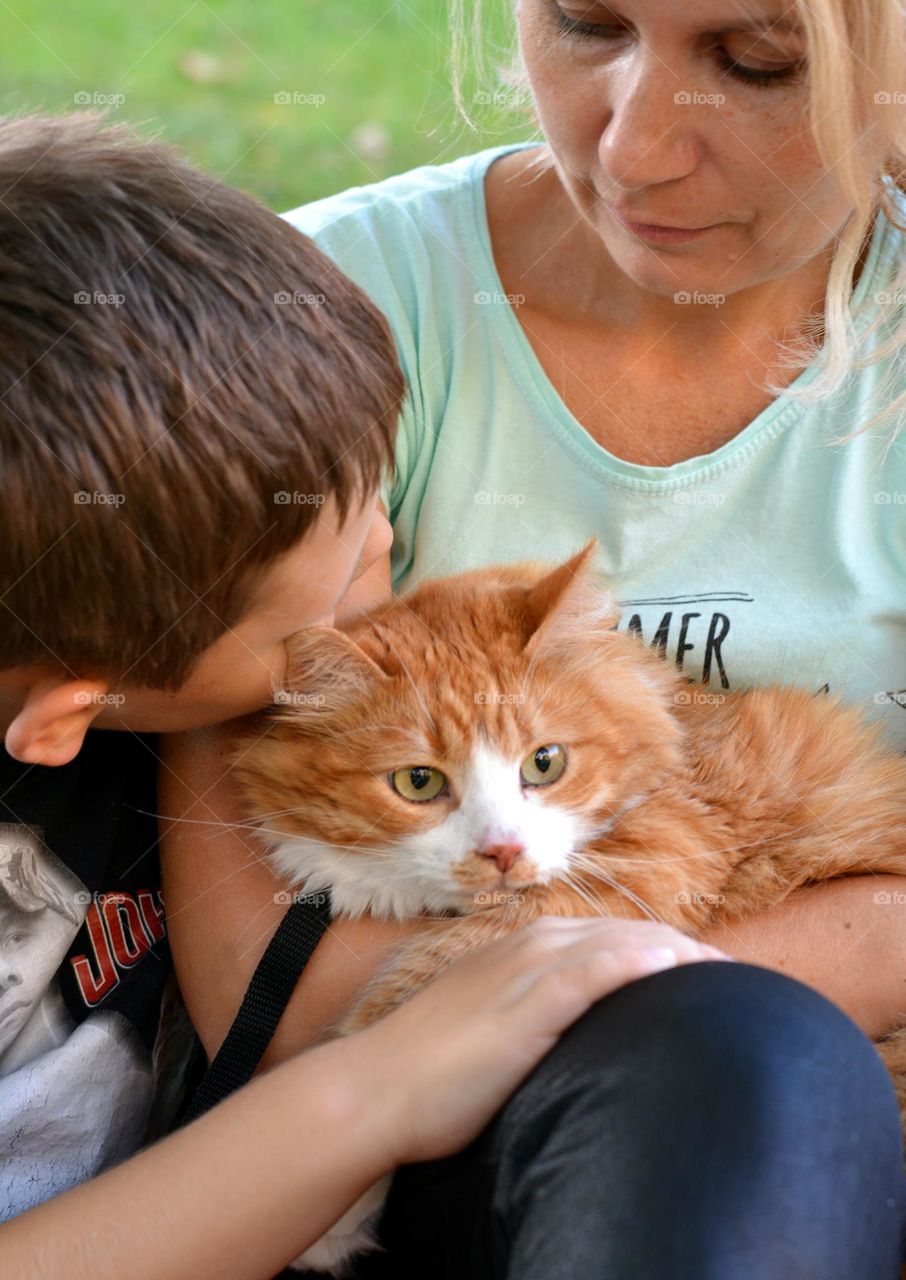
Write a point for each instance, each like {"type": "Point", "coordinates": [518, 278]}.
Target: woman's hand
{"type": "Point", "coordinates": [445, 1061]}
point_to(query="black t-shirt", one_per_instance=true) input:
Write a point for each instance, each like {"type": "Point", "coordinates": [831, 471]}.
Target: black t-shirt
{"type": "Point", "coordinates": [84, 963]}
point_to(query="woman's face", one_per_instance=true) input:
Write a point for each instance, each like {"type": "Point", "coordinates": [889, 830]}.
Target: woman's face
{"type": "Point", "coordinates": [685, 114]}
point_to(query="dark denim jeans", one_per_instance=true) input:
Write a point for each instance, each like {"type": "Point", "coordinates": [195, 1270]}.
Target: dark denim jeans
{"type": "Point", "coordinates": [711, 1122]}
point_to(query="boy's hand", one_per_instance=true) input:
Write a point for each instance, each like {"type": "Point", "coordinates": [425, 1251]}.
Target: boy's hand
{"type": "Point", "coordinates": [443, 1063]}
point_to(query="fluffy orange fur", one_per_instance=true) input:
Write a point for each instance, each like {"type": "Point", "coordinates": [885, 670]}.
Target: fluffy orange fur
{"type": "Point", "coordinates": [719, 805]}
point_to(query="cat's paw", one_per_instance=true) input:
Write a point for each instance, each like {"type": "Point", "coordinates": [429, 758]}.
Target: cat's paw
{"type": "Point", "coordinates": [354, 1233]}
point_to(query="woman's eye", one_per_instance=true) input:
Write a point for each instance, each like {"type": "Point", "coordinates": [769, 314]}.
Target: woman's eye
{"type": "Point", "coordinates": [544, 765]}
{"type": "Point", "coordinates": [582, 29]}
{"type": "Point", "coordinates": [757, 75]}
{"type": "Point", "coordinates": [419, 783]}
{"type": "Point", "coordinates": [585, 30]}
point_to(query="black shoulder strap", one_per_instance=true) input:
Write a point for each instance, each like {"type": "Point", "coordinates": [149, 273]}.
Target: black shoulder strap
{"type": "Point", "coordinates": [268, 994]}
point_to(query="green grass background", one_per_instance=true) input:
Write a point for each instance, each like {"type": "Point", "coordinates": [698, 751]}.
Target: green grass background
{"type": "Point", "coordinates": [205, 73]}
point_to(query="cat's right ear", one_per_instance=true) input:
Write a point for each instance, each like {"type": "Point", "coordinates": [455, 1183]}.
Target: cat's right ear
{"type": "Point", "coordinates": [327, 668]}
{"type": "Point", "coordinates": [568, 604]}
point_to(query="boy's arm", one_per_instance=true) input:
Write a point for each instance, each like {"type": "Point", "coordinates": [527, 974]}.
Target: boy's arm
{"type": "Point", "coordinates": [247, 1187]}
{"type": "Point", "coordinates": [221, 897]}
{"type": "Point", "coordinates": [241, 1191]}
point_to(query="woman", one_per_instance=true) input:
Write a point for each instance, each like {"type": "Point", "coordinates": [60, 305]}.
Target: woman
{"type": "Point", "coordinates": [609, 334]}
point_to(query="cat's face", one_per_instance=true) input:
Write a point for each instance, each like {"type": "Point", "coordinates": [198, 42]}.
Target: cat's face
{"type": "Point", "coordinates": [461, 744]}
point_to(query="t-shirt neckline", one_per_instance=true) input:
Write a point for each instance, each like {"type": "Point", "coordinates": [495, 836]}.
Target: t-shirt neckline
{"type": "Point", "coordinates": [781, 413]}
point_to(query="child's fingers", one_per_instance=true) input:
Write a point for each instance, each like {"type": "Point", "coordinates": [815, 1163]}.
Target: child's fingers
{"type": "Point", "coordinates": [556, 935]}
{"type": "Point", "coordinates": [580, 969]}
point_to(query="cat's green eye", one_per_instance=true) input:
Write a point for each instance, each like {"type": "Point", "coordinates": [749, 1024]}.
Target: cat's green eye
{"type": "Point", "coordinates": [419, 783]}
{"type": "Point", "coordinates": [544, 765]}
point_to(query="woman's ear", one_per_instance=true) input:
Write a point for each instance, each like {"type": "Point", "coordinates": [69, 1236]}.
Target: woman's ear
{"type": "Point", "coordinates": [52, 724]}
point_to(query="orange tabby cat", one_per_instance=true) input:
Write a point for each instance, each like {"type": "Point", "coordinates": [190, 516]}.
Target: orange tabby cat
{"type": "Point", "coordinates": [490, 747]}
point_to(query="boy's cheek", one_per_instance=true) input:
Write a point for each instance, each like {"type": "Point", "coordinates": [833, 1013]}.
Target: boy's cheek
{"type": "Point", "coordinates": [216, 691]}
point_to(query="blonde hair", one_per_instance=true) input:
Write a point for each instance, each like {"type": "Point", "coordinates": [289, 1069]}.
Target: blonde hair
{"type": "Point", "coordinates": [856, 55]}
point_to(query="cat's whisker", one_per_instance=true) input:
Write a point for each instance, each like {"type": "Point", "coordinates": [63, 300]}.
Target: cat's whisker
{"type": "Point", "coordinates": [357, 850]}
{"type": "Point", "coordinates": [717, 851]}
{"type": "Point", "coordinates": [217, 823]}
{"type": "Point", "coordinates": [599, 908]}
{"type": "Point", "coordinates": [256, 828]}
{"type": "Point", "coordinates": [589, 867]}
{"type": "Point", "coordinates": [634, 897]}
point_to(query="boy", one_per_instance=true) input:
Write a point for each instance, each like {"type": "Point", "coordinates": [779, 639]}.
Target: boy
{"type": "Point", "coordinates": [196, 407]}
{"type": "Point", "coordinates": [160, 401]}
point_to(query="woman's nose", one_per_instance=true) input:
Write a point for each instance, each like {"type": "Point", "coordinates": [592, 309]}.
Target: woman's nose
{"type": "Point", "coordinates": [656, 129]}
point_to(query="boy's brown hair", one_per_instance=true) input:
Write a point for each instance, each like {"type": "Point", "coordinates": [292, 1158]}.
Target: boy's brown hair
{"type": "Point", "coordinates": [184, 380]}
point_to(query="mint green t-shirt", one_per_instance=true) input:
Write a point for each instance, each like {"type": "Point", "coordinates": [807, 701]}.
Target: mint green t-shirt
{"type": "Point", "coordinates": [777, 557]}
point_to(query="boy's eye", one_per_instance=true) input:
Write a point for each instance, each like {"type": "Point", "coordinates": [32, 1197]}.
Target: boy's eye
{"type": "Point", "coordinates": [419, 783]}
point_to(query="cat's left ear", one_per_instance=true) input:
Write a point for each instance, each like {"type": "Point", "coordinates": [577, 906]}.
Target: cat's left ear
{"type": "Point", "coordinates": [567, 604]}
{"type": "Point", "coordinates": [328, 664]}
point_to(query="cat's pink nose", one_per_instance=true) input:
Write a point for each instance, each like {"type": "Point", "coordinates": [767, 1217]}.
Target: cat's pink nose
{"type": "Point", "coordinates": [504, 854]}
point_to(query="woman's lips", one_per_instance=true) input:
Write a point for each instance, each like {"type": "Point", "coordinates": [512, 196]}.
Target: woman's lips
{"type": "Point", "coordinates": [660, 234]}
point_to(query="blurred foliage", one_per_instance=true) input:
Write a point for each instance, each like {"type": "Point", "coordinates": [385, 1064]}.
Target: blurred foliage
{"type": "Point", "coordinates": [290, 101]}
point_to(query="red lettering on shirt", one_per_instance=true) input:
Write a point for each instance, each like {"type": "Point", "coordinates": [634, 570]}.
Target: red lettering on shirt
{"type": "Point", "coordinates": [121, 928]}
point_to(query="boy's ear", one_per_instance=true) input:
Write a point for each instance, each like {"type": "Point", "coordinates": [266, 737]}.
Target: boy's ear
{"type": "Point", "coordinates": [51, 726]}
